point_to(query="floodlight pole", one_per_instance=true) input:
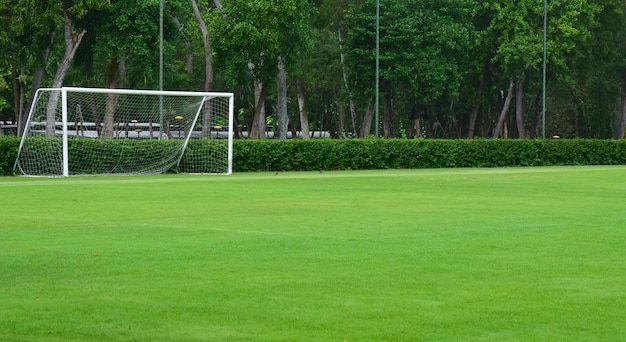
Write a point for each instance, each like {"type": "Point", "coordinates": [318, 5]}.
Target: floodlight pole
{"type": "Point", "coordinates": [376, 104]}
{"type": "Point", "coordinates": [543, 90]}
{"type": "Point", "coordinates": [161, 45]}
{"type": "Point", "coordinates": [161, 67]}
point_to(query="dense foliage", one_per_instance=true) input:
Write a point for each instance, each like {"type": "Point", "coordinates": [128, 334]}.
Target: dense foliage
{"type": "Point", "coordinates": [448, 69]}
{"type": "Point", "coordinates": [299, 155]}
{"type": "Point", "coordinates": [353, 154]}
{"type": "Point", "coordinates": [8, 154]}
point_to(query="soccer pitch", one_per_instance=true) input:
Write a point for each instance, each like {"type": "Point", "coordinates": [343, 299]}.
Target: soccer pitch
{"type": "Point", "coordinates": [398, 255]}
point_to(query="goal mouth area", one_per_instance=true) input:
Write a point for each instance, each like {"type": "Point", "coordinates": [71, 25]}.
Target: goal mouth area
{"type": "Point", "coordinates": [96, 131]}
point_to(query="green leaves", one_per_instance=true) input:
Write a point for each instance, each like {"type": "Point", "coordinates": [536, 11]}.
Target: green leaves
{"type": "Point", "coordinates": [434, 52]}
{"type": "Point", "coordinates": [516, 29]}
{"type": "Point", "coordinates": [255, 33]}
{"type": "Point", "coordinates": [422, 44]}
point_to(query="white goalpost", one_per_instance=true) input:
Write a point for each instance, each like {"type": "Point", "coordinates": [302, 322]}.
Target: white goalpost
{"type": "Point", "coordinates": [90, 131]}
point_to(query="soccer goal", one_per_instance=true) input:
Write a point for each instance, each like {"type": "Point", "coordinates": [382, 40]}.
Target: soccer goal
{"type": "Point", "coordinates": [90, 131]}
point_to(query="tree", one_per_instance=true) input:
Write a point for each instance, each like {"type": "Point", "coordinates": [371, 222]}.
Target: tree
{"type": "Point", "coordinates": [255, 35]}
{"type": "Point", "coordinates": [321, 76]}
{"type": "Point", "coordinates": [4, 41]}
{"type": "Point", "coordinates": [28, 37]}
{"type": "Point", "coordinates": [208, 62]}
{"type": "Point", "coordinates": [422, 45]}
{"type": "Point", "coordinates": [513, 36]}
{"type": "Point", "coordinates": [206, 42]}
{"type": "Point", "coordinates": [72, 40]}
{"type": "Point", "coordinates": [123, 49]}
{"type": "Point", "coordinates": [598, 82]}
{"type": "Point", "coordinates": [445, 65]}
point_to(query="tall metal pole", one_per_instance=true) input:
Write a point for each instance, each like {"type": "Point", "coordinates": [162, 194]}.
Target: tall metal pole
{"type": "Point", "coordinates": [160, 44]}
{"type": "Point", "coordinates": [543, 90]}
{"type": "Point", "coordinates": [161, 67]}
{"type": "Point", "coordinates": [377, 68]}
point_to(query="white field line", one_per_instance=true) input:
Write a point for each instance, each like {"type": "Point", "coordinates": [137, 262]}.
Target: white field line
{"type": "Point", "coordinates": [8, 182]}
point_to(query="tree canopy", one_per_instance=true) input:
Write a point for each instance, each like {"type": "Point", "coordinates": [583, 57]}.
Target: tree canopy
{"type": "Point", "coordinates": [448, 68]}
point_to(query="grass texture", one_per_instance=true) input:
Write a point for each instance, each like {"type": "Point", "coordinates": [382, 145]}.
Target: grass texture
{"type": "Point", "coordinates": [515, 254]}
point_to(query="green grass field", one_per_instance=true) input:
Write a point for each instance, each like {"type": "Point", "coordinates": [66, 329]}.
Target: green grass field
{"type": "Point", "coordinates": [515, 254]}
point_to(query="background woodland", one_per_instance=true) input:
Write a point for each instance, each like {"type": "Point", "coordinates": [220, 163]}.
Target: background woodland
{"type": "Point", "coordinates": [448, 68]}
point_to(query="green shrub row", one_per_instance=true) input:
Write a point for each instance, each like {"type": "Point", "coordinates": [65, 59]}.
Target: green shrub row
{"type": "Point", "coordinates": [355, 154]}
{"type": "Point", "coordinates": [302, 155]}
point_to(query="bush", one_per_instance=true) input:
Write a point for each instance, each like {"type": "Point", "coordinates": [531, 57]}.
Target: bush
{"type": "Point", "coordinates": [353, 154]}
{"type": "Point", "coordinates": [8, 153]}
{"type": "Point", "coordinates": [356, 154]}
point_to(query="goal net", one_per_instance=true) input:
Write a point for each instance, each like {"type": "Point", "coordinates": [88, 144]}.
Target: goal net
{"type": "Point", "coordinates": [89, 131]}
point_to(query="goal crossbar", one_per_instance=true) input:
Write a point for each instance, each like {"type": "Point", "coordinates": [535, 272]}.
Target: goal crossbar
{"type": "Point", "coordinates": [144, 92]}
{"type": "Point", "coordinates": [57, 118]}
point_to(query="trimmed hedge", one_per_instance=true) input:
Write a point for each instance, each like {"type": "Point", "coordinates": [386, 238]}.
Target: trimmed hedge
{"type": "Point", "coordinates": [8, 153]}
{"type": "Point", "coordinates": [356, 154]}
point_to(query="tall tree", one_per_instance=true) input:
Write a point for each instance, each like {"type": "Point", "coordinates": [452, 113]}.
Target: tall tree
{"type": "Point", "coordinates": [206, 42]}
{"type": "Point", "coordinates": [514, 37]}
{"type": "Point", "coordinates": [281, 96]}
{"type": "Point", "coordinates": [254, 35]}
{"type": "Point", "coordinates": [422, 45]}
{"type": "Point", "coordinates": [599, 74]}
{"type": "Point", "coordinates": [319, 74]}
{"type": "Point", "coordinates": [70, 10]}
{"type": "Point", "coordinates": [28, 32]}
{"type": "Point", "coordinates": [209, 81]}
{"type": "Point", "coordinates": [124, 49]}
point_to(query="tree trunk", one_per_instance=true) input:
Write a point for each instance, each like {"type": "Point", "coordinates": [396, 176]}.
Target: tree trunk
{"type": "Point", "coordinates": [342, 59]}
{"type": "Point", "coordinates": [258, 122]}
{"type": "Point", "coordinates": [283, 118]}
{"type": "Point", "coordinates": [497, 133]}
{"type": "Point", "coordinates": [389, 119]}
{"type": "Point", "coordinates": [366, 125]}
{"type": "Point", "coordinates": [418, 128]}
{"type": "Point", "coordinates": [505, 131]}
{"type": "Point", "coordinates": [209, 78]}
{"type": "Point", "coordinates": [72, 41]}
{"type": "Point", "coordinates": [620, 123]}
{"type": "Point", "coordinates": [111, 99]}
{"type": "Point", "coordinates": [519, 108]}
{"type": "Point", "coordinates": [479, 93]}
{"type": "Point", "coordinates": [37, 79]}
{"type": "Point", "coordinates": [17, 86]}
{"type": "Point", "coordinates": [534, 129]}
{"type": "Point", "coordinates": [304, 116]}
{"type": "Point", "coordinates": [206, 41]}
{"type": "Point", "coordinates": [115, 75]}
{"type": "Point", "coordinates": [341, 121]}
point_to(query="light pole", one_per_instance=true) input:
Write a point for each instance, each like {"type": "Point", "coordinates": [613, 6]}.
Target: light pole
{"type": "Point", "coordinates": [161, 67]}
{"type": "Point", "coordinates": [160, 44]}
{"type": "Point", "coordinates": [543, 89]}
{"type": "Point", "coordinates": [377, 68]}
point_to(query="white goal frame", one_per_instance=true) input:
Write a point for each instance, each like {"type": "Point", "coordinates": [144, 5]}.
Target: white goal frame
{"type": "Point", "coordinates": [206, 96]}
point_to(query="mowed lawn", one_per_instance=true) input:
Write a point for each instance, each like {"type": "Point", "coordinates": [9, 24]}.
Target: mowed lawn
{"type": "Point", "coordinates": [513, 254]}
